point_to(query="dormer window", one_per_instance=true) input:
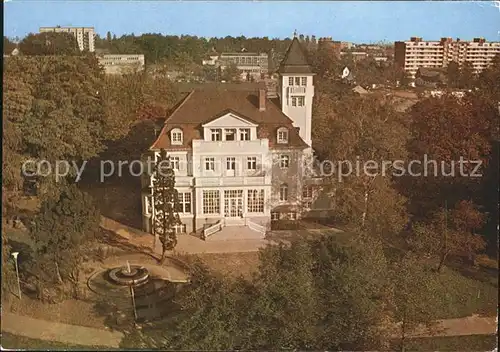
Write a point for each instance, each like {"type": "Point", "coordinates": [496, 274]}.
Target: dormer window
{"type": "Point", "coordinates": [176, 136]}
{"type": "Point", "coordinates": [282, 135]}
{"type": "Point", "coordinates": [230, 134]}
{"type": "Point", "coordinates": [216, 134]}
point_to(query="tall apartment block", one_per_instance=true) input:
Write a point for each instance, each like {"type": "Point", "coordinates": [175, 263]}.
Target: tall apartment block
{"type": "Point", "coordinates": [85, 36]}
{"type": "Point", "coordinates": [416, 53]}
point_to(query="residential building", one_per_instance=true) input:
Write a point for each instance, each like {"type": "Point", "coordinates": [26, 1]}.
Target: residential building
{"type": "Point", "coordinates": [238, 156]}
{"type": "Point", "coordinates": [120, 64]}
{"type": "Point", "coordinates": [85, 36]}
{"type": "Point", "coordinates": [255, 65]}
{"type": "Point", "coordinates": [416, 53]}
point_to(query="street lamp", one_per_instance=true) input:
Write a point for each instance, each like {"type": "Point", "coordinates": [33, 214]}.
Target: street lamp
{"type": "Point", "coordinates": [15, 254]}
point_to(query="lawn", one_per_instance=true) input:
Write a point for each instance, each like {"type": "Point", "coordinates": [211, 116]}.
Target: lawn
{"type": "Point", "coordinates": [11, 341]}
{"type": "Point", "coordinates": [450, 343]}
{"type": "Point", "coordinates": [232, 264]}
{"type": "Point", "coordinates": [465, 296]}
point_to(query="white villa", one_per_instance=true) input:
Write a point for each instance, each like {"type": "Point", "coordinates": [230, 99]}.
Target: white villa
{"type": "Point", "coordinates": [239, 156]}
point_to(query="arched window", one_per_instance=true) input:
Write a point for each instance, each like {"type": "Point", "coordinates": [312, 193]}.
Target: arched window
{"type": "Point", "coordinates": [284, 192]}
{"type": "Point", "coordinates": [176, 136]}
{"type": "Point", "coordinates": [282, 135]}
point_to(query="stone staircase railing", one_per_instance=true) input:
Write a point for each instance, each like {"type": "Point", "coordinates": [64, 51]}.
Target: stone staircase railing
{"type": "Point", "coordinates": [210, 230]}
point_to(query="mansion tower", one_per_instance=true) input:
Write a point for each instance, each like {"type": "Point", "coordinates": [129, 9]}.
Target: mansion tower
{"type": "Point", "coordinates": [238, 156]}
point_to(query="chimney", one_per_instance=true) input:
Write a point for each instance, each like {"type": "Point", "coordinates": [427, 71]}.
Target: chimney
{"type": "Point", "coordinates": [262, 98]}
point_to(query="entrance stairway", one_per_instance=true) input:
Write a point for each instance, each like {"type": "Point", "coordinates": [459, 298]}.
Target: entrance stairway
{"type": "Point", "coordinates": [235, 229]}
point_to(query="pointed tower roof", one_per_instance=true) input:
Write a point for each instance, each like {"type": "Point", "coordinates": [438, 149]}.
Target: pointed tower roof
{"type": "Point", "coordinates": [295, 60]}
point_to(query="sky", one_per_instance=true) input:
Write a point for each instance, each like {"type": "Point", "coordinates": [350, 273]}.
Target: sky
{"type": "Point", "coordinates": [359, 22]}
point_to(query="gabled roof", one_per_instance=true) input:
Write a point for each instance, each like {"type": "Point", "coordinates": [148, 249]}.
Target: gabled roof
{"type": "Point", "coordinates": [202, 106]}
{"type": "Point", "coordinates": [295, 60]}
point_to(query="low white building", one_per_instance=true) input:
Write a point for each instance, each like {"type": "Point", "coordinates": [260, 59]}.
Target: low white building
{"type": "Point", "coordinates": [121, 64]}
{"type": "Point", "coordinates": [239, 156]}
{"type": "Point", "coordinates": [254, 65]}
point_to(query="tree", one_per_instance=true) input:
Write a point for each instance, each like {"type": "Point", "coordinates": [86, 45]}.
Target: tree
{"type": "Point", "coordinates": [8, 271]}
{"type": "Point", "coordinates": [8, 46]}
{"type": "Point", "coordinates": [467, 76]}
{"type": "Point", "coordinates": [60, 231]}
{"type": "Point", "coordinates": [443, 131]}
{"type": "Point", "coordinates": [49, 43]}
{"type": "Point", "coordinates": [362, 131]}
{"type": "Point", "coordinates": [453, 73]}
{"type": "Point", "coordinates": [314, 295]}
{"type": "Point", "coordinates": [405, 78]}
{"type": "Point", "coordinates": [166, 203]}
{"type": "Point", "coordinates": [489, 80]}
{"type": "Point", "coordinates": [451, 233]}
{"type": "Point", "coordinates": [231, 73]}
{"type": "Point", "coordinates": [415, 295]}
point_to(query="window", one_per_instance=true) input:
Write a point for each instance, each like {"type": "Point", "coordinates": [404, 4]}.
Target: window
{"type": "Point", "coordinates": [176, 136]}
{"type": "Point", "coordinates": [283, 193]}
{"type": "Point", "coordinates": [282, 135]}
{"type": "Point", "coordinates": [149, 205]}
{"type": "Point", "coordinates": [290, 81]}
{"type": "Point", "coordinates": [231, 163]}
{"type": "Point", "coordinates": [252, 163]}
{"type": "Point", "coordinates": [292, 216]}
{"type": "Point", "coordinates": [244, 134]}
{"type": "Point", "coordinates": [211, 203]}
{"type": "Point", "coordinates": [210, 164]}
{"type": "Point", "coordinates": [230, 134]}
{"type": "Point", "coordinates": [308, 204]}
{"type": "Point", "coordinates": [216, 134]}
{"type": "Point", "coordinates": [298, 101]}
{"type": "Point", "coordinates": [174, 162]}
{"type": "Point", "coordinates": [180, 228]}
{"type": "Point", "coordinates": [255, 201]}
{"type": "Point", "coordinates": [297, 81]}
{"type": "Point", "coordinates": [307, 192]}
{"type": "Point", "coordinates": [304, 81]}
{"type": "Point", "coordinates": [275, 216]}
{"type": "Point", "coordinates": [184, 203]}
{"type": "Point", "coordinates": [284, 161]}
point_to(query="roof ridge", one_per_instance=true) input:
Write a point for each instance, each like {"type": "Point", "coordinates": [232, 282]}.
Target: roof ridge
{"type": "Point", "coordinates": [295, 57]}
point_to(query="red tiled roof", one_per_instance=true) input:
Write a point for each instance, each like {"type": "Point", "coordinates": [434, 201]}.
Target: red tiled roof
{"type": "Point", "coordinates": [201, 106]}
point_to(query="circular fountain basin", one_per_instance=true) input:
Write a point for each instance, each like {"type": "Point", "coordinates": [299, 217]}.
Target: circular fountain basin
{"type": "Point", "coordinates": [136, 276]}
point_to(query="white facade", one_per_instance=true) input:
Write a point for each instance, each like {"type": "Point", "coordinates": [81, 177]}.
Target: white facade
{"type": "Point", "coordinates": [416, 53]}
{"type": "Point", "coordinates": [120, 64]}
{"type": "Point", "coordinates": [243, 169]}
{"type": "Point", "coordinates": [235, 174]}
{"type": "Point", "coordinates": [85, 36]}
{"type": "Point", "coordinates": [296, 94]}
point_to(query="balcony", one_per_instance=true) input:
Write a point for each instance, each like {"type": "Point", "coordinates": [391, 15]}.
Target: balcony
{"type": "Point", "coordinates": [230, 181]}
{"type": "Point", "coordinates": [296, 90]}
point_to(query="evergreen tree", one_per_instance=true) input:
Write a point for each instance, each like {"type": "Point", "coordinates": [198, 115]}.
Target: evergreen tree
{"type": "Point", "coordinates": [166, 202]}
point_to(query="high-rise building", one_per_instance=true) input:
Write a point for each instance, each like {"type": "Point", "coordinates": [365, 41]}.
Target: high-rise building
{"type": "Point", "coordinates": [85, 36]}
{"type": "Point", "coordinates": [416, 53]}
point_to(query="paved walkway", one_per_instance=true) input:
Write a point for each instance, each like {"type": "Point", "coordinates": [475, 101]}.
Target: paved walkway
{"type": "Point", "coordinates": [186, 244]}
{"type": "Point", "coordinates": [473, 325]}
{"type": "Point", "coordinates": [64, 333]}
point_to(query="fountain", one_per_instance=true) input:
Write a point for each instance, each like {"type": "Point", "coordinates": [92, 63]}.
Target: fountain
{"type": "Point", "coordinates": [138, 287]}
{"type": "Point", "coordinates": [129, 276]}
